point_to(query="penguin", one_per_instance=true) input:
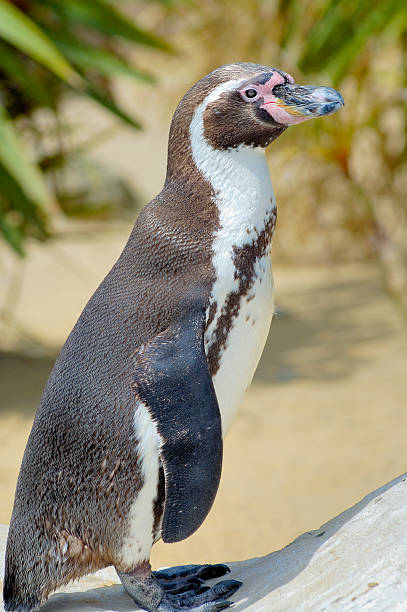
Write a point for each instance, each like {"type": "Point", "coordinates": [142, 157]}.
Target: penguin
{"type": "Point", "coordinates": [126, 444]}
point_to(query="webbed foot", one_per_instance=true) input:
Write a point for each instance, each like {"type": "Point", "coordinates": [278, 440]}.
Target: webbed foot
{"type": "Point", "coordinates": [180, 589]}
{"type": "Point", "coordinates": [190, 593]}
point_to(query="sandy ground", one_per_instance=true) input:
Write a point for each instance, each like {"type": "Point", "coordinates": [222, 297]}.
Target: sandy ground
{"type": "Point", "coordinates": [323, 424]}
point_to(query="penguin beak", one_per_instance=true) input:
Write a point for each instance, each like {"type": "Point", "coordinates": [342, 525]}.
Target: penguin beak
{"type": "Point", "coordinates": [291, 103]}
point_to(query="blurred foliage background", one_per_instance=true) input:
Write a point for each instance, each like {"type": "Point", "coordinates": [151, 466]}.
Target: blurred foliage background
{"type": "Point", "coordinates": [342, 183]}
{"type": "Point", "coordinates": [49, 49]}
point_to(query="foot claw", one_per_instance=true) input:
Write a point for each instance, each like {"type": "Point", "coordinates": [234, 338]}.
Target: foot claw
{"type": "Point", "coordinates": [221, 605]}
{"type": "Point", "coordinates": [226, 587]}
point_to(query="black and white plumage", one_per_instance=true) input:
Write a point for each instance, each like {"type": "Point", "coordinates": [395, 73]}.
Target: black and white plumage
{"type": "Point", "coordinates": [126, 445]}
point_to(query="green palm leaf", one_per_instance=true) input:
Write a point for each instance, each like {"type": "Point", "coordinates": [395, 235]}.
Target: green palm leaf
{"type": "Point", "coordinates": [12, 64]}
{"type": "Point", "coordinates": [86, 57]}
{"type": "Point", "coordinates": [104, 17]}
{"type": "Point", "coordinates": [19, 30]}
{"type": "Point", "coordinates": [338, 37]}
{"type": "Point", "coordinates": [11, 234]}
{"type": "Point", "coordinates": [15, 160]}
{"type": "Point", "coordinates": [31, 219]}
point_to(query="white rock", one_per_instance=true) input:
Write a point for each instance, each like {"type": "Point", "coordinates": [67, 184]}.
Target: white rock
{"type": "Point", "coordinates": [356, 561]}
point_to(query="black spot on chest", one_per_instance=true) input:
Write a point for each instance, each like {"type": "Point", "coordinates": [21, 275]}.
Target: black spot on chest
{"type": "Point", "coordinates": [244, 260]}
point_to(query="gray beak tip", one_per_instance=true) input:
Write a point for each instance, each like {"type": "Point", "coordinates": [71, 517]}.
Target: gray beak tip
{"type": "Point", "coordinates": [327, 99]}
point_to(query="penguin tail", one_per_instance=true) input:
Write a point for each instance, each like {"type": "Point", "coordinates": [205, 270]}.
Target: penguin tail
{"type": "Point", "coordinates": [16, 601]}
{"type": "Point", "coordinates": [38, 563]}
{"type": "Point", "coordinates": [25, 570]}
{"type": "Point", "coordinates": [16, 597]}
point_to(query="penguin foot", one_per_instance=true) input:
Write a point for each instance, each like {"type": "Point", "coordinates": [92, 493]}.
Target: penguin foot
{"type": "Point", "coordinates": [179, 589]}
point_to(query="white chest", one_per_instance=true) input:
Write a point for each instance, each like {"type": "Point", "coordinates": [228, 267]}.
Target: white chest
{"type": "Point", "coordinates": [241, 302]}
{"type": "Point", "coordinates": [243, 345]}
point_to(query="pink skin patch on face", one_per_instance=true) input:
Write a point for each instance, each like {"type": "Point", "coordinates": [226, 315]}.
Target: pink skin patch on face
{"type": "Point", "coordinates": [273, 105]}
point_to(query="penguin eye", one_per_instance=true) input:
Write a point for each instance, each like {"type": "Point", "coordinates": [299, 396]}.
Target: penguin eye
{"type": "Point", "coordinates": [250, 93]}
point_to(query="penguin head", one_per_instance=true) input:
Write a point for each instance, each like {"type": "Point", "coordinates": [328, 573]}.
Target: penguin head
{"type": "Point", "coordinates": [250, 104]}
{"type": "Point", "coordinates": [258, 105]}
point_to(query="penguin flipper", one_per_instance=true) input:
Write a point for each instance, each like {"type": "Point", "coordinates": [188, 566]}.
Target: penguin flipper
{"type": "Point", "coordinates": [172, 379]}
